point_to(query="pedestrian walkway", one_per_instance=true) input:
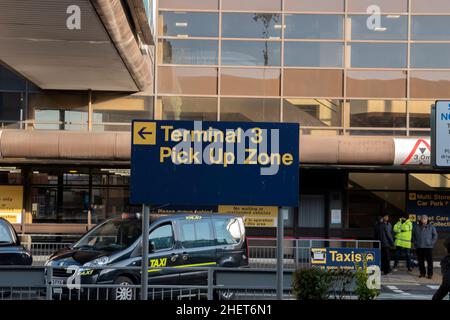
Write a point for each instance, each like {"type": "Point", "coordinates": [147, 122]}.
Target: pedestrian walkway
{"type": "Point", "coordinates": [404, 285]}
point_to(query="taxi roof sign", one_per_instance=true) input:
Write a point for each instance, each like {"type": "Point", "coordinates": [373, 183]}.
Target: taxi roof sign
{"type": "Point", "coordinates": [210, 163]}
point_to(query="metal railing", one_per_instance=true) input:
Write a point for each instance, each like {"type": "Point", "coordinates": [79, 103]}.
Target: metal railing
{"type": "Point", "coordinates": [42, 246]}
{"type": "Point", "coordinates": [38, 283]}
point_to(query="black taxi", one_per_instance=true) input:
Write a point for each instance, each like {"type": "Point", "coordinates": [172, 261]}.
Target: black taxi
{"type": "Point", "coordinates": [178, 240]}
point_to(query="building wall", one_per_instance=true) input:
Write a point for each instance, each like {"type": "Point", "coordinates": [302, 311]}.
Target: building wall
{"type": "Point", "coordinates": [313, 62]}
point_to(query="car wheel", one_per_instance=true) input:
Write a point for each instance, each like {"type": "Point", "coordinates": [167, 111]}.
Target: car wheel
{"type": "Point", "coordinates": [124, 291]}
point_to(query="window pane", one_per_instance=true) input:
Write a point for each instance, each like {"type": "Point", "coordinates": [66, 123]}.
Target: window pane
{"type": "Point", "coordinates": [315, 5]}
{"type": "Point", "coordinates": [393, 27]}
{"type": "Point", "coordinates": [222, 229]}
{"type": "Point", "coordinates": [59, 111]}
{"type": "Point", "coordinates": [419, 113]}
{"type": "Point", "coordinates": [250, 82]}
{"type": "Point", "coordinates": [364, 132]}
{"type": "Point", "coordinates": [251, 25]}
{"type": "Point", "coordinates": [189, 108]}
{"type": "Point", "coordinates": [430, 55]}
{"type": "Point", "coordinates": [430, 6]}
{"type": "Point", "coordinates": [10, 81]}
{"type": "Point", "coordinates": [252, 5]}
{"type": "Point", "coordinates": [320, 132]}
{"type": "Point", "coordinates": [314, 26]}
{"type": "Point", "coordinates": [11, 108]}
{"type": "Point", "coordinates": [243, 109]}
{"type": "Point", "coordinates": [313, 54]}
{"type": "Point", "coordinates": [430, 84]}
{"type": "Point", "coordinates": [386, 6]}
{"type": "Point", "coordinates": [179, 80]}
{"type": "Point", "coordinates": [115, 113]}
{"type": "Point", "coordinates": [190, 52]}
{"type": "Point", "coordinates": [378, 55]}
{"type": "Point", "coordinates": [371, 84]}
{"type": "Point", "coordinates": [191, 4]}
{"type": "Point", "coordinates": [251, 53]}
{"type": "Point", "coordinates": [313, 112]}
{"type": "Point", "coordinates": [431, 27]}
{"type": "Point", "coordinates": [161, 238]}
{"type": "Point", "coordinates": [313, 83]}
{"type": "Point", "coordinates": [429, 182]}
{"type": "Point", "coordinates": [377, 181]}
{"type": "Point", "coordinates": [191, 24]}
{"type": "Point", "coordinates": [377, 113]}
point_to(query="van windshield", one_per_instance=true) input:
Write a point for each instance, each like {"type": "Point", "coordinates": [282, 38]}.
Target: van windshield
{"type": "Point", "coordinates": [113, 235]}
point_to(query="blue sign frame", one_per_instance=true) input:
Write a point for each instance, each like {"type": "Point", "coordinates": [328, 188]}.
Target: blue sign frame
{"type": "Point", "coordinates": [266, 175]}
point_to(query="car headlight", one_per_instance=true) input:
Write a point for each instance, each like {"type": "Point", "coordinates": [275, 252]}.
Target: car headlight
{"type": "Point", "coordinates": [97, 262]}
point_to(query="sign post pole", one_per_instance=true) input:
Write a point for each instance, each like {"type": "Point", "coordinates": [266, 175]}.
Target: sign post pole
{"type": "Point", "coordinates": [144, 269]}
{"type": "Point", "coordinates": [280, 254]}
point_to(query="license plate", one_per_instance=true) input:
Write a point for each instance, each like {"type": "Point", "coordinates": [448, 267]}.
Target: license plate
{"type": "Point", "coordinates": [57, 282]}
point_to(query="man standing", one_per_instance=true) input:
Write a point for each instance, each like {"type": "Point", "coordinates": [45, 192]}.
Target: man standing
{"type": "Point", "coordinates": [403, 235]}
{"type": "Point", "coordinates": [424, 238]}
{"type": "Point", "coordinates": [383, 233]}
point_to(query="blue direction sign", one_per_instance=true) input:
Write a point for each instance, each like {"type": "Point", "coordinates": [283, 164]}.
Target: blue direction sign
{"type": "Point", "coordinates": [211, 163]}
{"type": "Point", "coordinates": [440, 136]}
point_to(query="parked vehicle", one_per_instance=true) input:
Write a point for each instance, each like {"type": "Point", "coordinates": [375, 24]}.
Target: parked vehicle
{"type": "Point", "coordinates": [11, 251]}
{"type": "Point", "coordinates": [180, 241]}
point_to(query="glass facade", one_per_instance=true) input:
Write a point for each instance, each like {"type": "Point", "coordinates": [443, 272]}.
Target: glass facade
{"type": "Point", "coordinates": [378, 72]}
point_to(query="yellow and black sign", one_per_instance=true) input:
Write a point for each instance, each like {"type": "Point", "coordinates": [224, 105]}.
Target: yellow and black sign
{"type": "Point", "coordinates": [144, 133]}
{"type": "Point", "coordinates": [11, 203]}
{"type": "Point", "coordinates": [254, 216]}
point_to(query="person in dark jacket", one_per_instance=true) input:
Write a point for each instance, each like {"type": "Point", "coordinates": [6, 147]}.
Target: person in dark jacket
{"type": "Point", "coordinates": [383, 233]}
{"type": "Point", "coordinates": [444, 289]}
{"type": "Point", "coordinates": [424, 239]}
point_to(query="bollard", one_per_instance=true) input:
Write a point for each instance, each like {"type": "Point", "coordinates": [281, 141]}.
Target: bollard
{"type": "Point", "coordinates": [48, 280]}
{"type": "Point", "coordinates": [210, 284]}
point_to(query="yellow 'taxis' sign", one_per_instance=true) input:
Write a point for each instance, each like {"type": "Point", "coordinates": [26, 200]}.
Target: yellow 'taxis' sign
{"type": "Point", "coordinates": [144, 133]}
{"type": "Point", "coordinates": [11, 203]}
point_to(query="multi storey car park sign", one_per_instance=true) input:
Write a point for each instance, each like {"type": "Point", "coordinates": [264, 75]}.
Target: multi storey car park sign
{"type": "Point", "coordinates": [212, 163]}
{"type": "Point", "coordinates": [440, 134]}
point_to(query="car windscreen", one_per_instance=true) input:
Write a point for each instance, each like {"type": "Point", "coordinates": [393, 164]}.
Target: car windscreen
{"type": "Point", "coordinates": [6, 234]}
{"type": "Point", "coordinates": [113, 235]}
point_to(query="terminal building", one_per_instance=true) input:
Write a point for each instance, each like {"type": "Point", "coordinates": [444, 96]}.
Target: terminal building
{"type": "Point", "coordinates": [360, 76]}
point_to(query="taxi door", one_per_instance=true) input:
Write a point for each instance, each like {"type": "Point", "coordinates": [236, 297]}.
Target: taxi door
{"type": "Point", "coordinates": [197, 249]}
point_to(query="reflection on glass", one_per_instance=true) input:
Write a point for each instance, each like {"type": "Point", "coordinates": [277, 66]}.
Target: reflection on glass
{"type": "Point", "coordinates": [249, 109]}
{"type": "Point", "coordinates": [187, 80]}
{"type": "Point", "coordinates": [428, 181]}
{"type": "Point", "coordinates": [378, 55]}
{"type": "Point", "coordinates": [59, 111]}
{"type": "Point", "coordinates": [273, 5]}
{"type": "Point", "coordinates": [430, 55]}
{"type": "Point", "coordinates": [11, 109]}
{"type": "Point", "coordinates": [314, 26]}
{"type": "Point", "coordinates": [313, 112]}
{"type": "Point", "coordinates": [189, 24]}
{"type": "Point", "coordinates": [251, 53]}
{"type": "Point", "coordinates": [314, 5]}
{"type": "Point", "coordinates": [189, 108]}
{"type": "Point", "coordinates": [430, 84]}
{"type": "Point", "coordinates": [250, 82]}
{"type": "Point", "coordinates": [377, 113]}
{"type": "Point", "coordinates": [115, 112]}
{"type": "Point", "coordinates": [392, 27]}
{"type": "Point", "coordinates": [190, 52]}
{"type": "Point", "coordinates": [430, 6]}
{"type": "Point", "coordinates": [431, 28]}
{"type": "Point", "coordinates": [251, 25]}
{"type": "Point", "coordinates": [313, 54]}
{"type": "Point", "coordinates": [382, 84]}
{"type": "Point", "coordinates": [377, 181]}
{"type": "Point", "coordinates": [385, 6]}
{"type": "Point", "coordinates": [313, 83]}
{"type": "Point", "coordinates": [419, 113]}
{"type": "Point", "coordinates": [191, 4]}
{"type": "Point", "coordinates": [366, 132]}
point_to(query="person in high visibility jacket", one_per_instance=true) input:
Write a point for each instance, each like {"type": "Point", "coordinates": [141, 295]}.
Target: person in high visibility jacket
{"type": "Point", "coordinates": [403, 236]}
